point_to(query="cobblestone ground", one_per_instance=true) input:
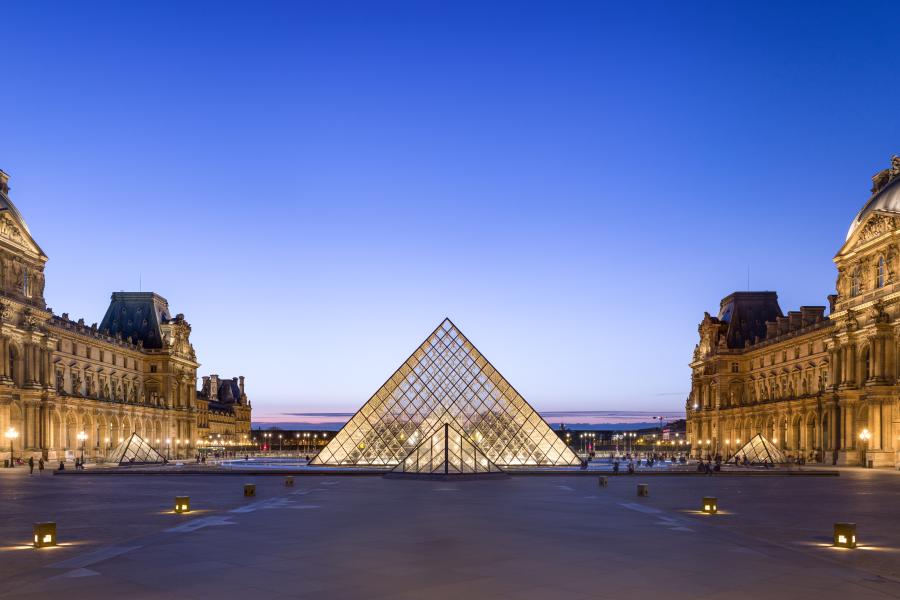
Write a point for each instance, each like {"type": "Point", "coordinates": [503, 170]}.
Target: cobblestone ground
{"type": "Point", "coordinates": [523, 537]}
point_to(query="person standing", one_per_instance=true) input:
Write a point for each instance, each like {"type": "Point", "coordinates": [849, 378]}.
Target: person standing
{"type": "Point", "coordinates": [30, 465]}
{"type": "Point", "coordinates": [41, 465]}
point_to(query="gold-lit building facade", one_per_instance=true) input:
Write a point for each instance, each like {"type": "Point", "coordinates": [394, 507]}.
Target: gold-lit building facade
{"type": "Point", "coordinates": [68, 387]}
{"type": "Point", "coordinates": [823, 389]}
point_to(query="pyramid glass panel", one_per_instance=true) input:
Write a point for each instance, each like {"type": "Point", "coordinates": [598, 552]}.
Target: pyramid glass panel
{"type": "Point", "coordinates": [134, 450]}
{"type": "Point", "coordinates": [446, 381]}
{"type": "Point", "coordinates": [758, 451]}
{"type": "Point", "coordinates": [447, 451]}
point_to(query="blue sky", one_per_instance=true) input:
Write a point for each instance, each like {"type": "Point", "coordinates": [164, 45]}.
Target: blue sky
{"type": "Point", "coordinates": [317, 185]}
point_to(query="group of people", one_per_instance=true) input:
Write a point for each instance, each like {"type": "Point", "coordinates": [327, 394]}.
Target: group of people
{"type": "Point", "coordinates": [31, 465]}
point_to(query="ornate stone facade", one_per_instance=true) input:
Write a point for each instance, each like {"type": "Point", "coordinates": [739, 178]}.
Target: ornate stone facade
{"type": "Point", "coordinates": [135, 372]}
{"type": "Point", "coordinates": [822, 388]}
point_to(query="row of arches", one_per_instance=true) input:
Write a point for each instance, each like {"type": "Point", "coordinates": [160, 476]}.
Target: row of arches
{"type": "Point", "coordinates": [60, 431]}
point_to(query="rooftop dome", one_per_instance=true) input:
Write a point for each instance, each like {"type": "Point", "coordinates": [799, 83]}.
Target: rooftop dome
{"type": "Point", "coordinates": [887, 199]}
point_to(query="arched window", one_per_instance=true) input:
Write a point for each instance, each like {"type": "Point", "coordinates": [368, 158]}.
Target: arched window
{"type": "Point", "coordinates": [879, 279]}
{"type": "Point", "coordinates": [855, 282]}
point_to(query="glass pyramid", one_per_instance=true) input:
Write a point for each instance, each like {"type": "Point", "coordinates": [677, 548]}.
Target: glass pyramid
{"type": "Point", "coordinates": [446, 380]}
{"type": "Point", "coordinates": [758, 451]}
{"type": "Point", "coordinates": [135, 451]}
{"type": "Point", "coordinates": [446, 451]}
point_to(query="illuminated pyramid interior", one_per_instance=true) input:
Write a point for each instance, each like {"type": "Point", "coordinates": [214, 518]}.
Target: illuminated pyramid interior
{"type": "Point", "coordinates": [446, 451]}
{"type": "Point", "coordinates": [134, 450]}
{"type": "Point", "coordinates": [446, 381]}
{"type": "Point", "coordinates": [759, 451]}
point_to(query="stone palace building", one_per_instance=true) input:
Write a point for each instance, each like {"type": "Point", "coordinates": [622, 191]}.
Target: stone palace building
{"type": "Point", "coordinates": [824, 388]}
{"type": "Point", "coordinates": [62, 380]}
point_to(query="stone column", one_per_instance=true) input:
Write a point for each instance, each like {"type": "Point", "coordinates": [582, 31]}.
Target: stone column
{"type": "Point", "coordinates": [875, 371]}
{"type": "Point", "coordinates": [39, 361]}
{"type": "Point", "coordinates": [874, 424]}
{"type": "Point", "coordinates": [887, 437]}
{"type": "Point", "coordinates": [850, 438]}
{"type": "Point", "coordinates": [835, 367]}
{"type": "Point", "coordinates": [4, 359]}
{"type": "Point", "coordinates": [890, 370]}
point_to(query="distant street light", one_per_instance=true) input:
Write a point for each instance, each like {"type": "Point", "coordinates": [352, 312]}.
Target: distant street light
{"type": "Point", "coordinates": [11, 434]}
{"type": "Point", "coordinates": [865, 436]}
{"type": "Point", "coordinates": [82, 436]}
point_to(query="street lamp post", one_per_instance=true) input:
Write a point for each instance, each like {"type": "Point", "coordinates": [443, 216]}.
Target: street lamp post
{"type": "Point", "coordinates": [11, 434]}
{"type": "Point", "coordinates": [168, 443]}
{"type": "Point", "coordinates": [82, 436]}
{"type": "Point", "coordinates": [865, 436]}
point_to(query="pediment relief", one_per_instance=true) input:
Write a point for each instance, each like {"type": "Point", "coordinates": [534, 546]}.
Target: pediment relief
{"type": "Point", "coordinates": [876, 226]}
{"type": "Point", "coordinates": [12, 232]}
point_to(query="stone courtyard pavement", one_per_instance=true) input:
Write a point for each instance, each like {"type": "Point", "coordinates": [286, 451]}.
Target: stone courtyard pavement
{"type": "Point", "coordinates": [523, 537]}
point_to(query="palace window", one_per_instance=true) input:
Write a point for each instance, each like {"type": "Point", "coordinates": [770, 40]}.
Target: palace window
{"type": "Point", "coordinates": [879, 279]}
{"type": "Point", "coordinates": [734, 367]}
{"type": "Point", "coordinates": [855, 282]}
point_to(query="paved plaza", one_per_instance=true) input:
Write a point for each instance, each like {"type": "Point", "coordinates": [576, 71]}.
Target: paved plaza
{"type": "Point", "coordinates": [522, 537]}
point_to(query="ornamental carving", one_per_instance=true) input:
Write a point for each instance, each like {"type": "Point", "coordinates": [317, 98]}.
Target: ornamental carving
{"type": "Point", "coordinates": [10, 231]}
{"type": "Point", "coordinates": [876, 226]}
{"type": "Point", "coordinates": [882, 178]}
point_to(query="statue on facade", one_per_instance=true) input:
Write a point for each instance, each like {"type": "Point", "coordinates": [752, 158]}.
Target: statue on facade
{"type": "Point", "coordinates": [885, 176]}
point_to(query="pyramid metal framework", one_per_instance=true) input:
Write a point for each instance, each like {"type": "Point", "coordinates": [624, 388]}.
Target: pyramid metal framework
{"type": "Point", "coordinates": [759, 451]}
{"type": "Point", "coordinates": [446, 451]}
{"type": "Point", "coordinates": [446, 380]}
{"type": "Point", "coordinates": [135, 451]}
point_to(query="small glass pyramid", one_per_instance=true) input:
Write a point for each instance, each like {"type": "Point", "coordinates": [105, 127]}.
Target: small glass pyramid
{"type": "Point", "coordinates": [135, 451]}
{"type": "Point", "coordinates": [758, 451]}
{"type": "Point", "coordinates": [446, 451]}
{"type": "Point", "coordinates": [446, 381]}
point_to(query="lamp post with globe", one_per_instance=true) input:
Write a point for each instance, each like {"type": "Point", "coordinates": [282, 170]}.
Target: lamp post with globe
{"type": "Point", "coordinates": [11, 434]}
{"type": "Point", "coordinates": [82, 436]}
{"type": "Point", "coordinates": [864, 437]}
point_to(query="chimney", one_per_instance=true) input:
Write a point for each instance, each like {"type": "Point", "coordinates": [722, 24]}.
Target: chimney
{"type": "Point", "coordinates": [213, 386]}
{"type": "Point", "coordinates": [4, 182]}
{"type": "Point", "coordinates": [241, 384]}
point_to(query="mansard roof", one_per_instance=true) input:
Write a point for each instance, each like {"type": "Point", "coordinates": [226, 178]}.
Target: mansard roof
{"type": "Point", "coordinates": [746, 314]}
{"type": "Point", "coordinates": [138, 315]}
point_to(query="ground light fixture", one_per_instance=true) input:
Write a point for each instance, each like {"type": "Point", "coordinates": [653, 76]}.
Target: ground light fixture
{"type": "Point", "coordinates": [249, 490]}
{"type": "Point", "coordinates": [710, 505]}
{"type": "Point", "coordinates": [643, 489]}
{"type": "Point", "coordinates": [44, 534]}
{"type": "Point", "coordinates": [289, 481]}
{"type": "Point", "coordinates": [845, 535]}
{"type": "Point", "coordinates": [182, 504]}
{"type": "Point", "coordinates": [603, 481]}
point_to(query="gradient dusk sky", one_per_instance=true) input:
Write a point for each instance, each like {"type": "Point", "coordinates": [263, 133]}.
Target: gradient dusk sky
{"type": "Point", "coordinates": [317, 185]}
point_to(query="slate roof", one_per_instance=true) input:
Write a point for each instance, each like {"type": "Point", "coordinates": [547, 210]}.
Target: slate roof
{"type": "Point", "coordinates": [746, 314]}
{"type": "Point", "coordinates": [137, 315]}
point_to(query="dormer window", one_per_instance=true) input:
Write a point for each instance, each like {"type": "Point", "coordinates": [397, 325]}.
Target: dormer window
{"type": "Point", "coordinates": [879, 276]}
